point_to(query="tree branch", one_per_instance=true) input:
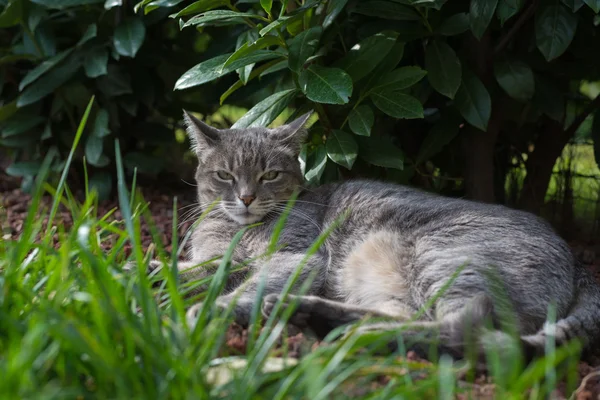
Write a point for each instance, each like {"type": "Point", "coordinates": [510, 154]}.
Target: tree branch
{"type": "Point", "coordinates": [505, 39]}
{"type": "Point", "coordinates": [570, 131]}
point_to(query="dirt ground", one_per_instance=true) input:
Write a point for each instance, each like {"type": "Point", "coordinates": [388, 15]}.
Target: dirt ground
{"type": "Point", "coordinates": [14, 205]}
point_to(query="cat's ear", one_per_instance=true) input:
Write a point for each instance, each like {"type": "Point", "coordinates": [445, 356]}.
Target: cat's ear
{"type": "Point", "coordinates": [201, 135]}
{"type": "Point", "coordinates": [294, 133]}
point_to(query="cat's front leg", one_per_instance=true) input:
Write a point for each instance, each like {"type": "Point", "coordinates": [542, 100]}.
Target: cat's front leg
{"type": "Point", "coordinates": [276, 272]}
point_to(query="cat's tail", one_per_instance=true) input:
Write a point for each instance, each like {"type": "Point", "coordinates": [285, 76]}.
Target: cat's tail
{"type": "Point", "coordinates": [582, 323]}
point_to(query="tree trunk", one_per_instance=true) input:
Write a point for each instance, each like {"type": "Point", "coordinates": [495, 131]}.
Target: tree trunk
{"type": "Point", "coordinates": [540, 163]}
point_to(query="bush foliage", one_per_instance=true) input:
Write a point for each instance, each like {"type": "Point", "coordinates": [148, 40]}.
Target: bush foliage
{"type": "Point", "coordinates": [445, 95]}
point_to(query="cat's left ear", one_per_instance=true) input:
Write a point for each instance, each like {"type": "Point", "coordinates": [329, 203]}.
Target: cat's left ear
{"type": "Point", "coordinates": [294, 132]}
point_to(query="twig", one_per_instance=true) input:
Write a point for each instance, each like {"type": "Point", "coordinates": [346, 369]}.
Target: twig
{"type": "Point", "coordinates": [570, 131]}
{"type": "Point", "coordinates": [584, 383]}
{"type": "Point", "coordinates": [504, 40]}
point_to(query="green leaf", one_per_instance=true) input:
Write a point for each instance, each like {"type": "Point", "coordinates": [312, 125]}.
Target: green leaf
{"type": "Point", "coordinates": [382, 152]}
{"type": "Point", "coordinates": [267, 5]}
{"type": "Point", "coordinates": [593, 4]}
{"type": "Point", "coordinates": [507, 9]}
{"type": "Point", "coordinates": [22, 122]}
{"type": "Point", "coordinates": [251, 47]}
{"type": "Point", "coordinates": [342, 148]}
{"type": "Point", "coordinates": [387, 10]}
{"type": "Point", "coordinates": [93, 149]}
{"type": "Point", "coordinates": [399, 79]}
{"type": "Point", "coordinates": [443, 68]}
{"type": "Point", "coordinates": [555, 27]}
{"type": "Point", "coordinates": [473, 101]}
{"type": "Point", "coordinates": [334, 8]}
{"type": "Point", "coordinates": [318, 161]}
{"type": "Point", "coordinates": [267, 110]}
{"type": "Point", "coordinates": [549, 99]}
{"type": "Point", "coordinates": [49, 83]}
{"type": "Point", "coordinates": [61, 4]}
{"type": "Point", "coordinates": [303, 46]}
{"type": "Point", "coordinates": [218, 15]}
{"type": "Point", "coordinates": [361, 120]}
{"type": "Point", "coordinates": [101, 128]}
{"type": "Point", "coordinates": [365, 56]}
{"type": "Point", "coordinates": [454, 25]}
{"type": "Point", "coordinates": [115, 83]}
{"type": "Point", "coordinates": [101, 182]}
{"type": "Point", "coordinates": [326, 85]}
{"type": "Point", "coordinates": [95, 62]}
{"type": "Point", "coordinates": [243, 42]}
{"type": "Point", "coordinates": [129, 37]}
{"type": "Point", "coordinates": [200, 6]}
{"type": "Point", "coordinates": [24, 168]}
{"type": "Point", "coordinates": [398, 105]}
{"type": "Point", "coordinates": [480, 15]}
{"type": "Point", "coordinates": [441, 134]}
{"type": "Point", "coordinates": [108, 4]}
{"type": "Point", "coordinates": [12, 14]}
{"type": "Point", "coordinates": [212, 69]}
{"type": "Point", "coordinates": [516, 78]}
{"type": "Point", "coordinates": [43, 67]}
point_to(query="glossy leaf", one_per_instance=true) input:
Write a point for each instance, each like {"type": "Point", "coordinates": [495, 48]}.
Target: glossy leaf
{"type": "Point", "coordinates": [516, 78]}
{"type": "Point", "coordinates": [43, 67]}
{"type": "Point", "coordinates": [443, 68]}
{"type": "Point", "coordinates": [266, 5]}
{"type": "Point", "coordinates": [109, 4]}
{"type": "Point", "coordinates": [251, 47]}
{"type": "Point", "coordinates": [48, 83]}
{"type": "Point", "coordinates": [24, 168]}
{"type": "Point", "coordinates": [555, 27]}
{"type": "Point", "coordinates": [399, 79]}
{"type": "Point", "coordinates": [594, 5]}
{"type": "Point", "coordinates": [212, 69]}
{"type": "Point", "coordinates": [326, 85]}
{"type": "Point", "coordinates": [19, 124]}
{"type": "Point", "coordinates": [318, 161]}
{"type": "Point", "coordinates": [507, 9]}
{"type": "Point", "coordinates": [200, 6]}
{"type": "Point", "coordinates": [473, 101]}
{"type": "Point", "coordinates": [334, 8]}
{"type": "Point", "coordinates": [101, 128]}
{"type": "Point", "coordinates": [382, 152]}
{"type": "Point", "coordinates": [341, 148]}
{"type": "Point", "coordinates": [218, 15]}
{"type": "Point", "coordinates": [480, 15]}
{"type": "Point", "coordinates": [95, 63]}
{"type": "Point", "coordinates": [93, 149]}
{"type": "Point", "coordinates": [61, 4]}
{"type": "Point", "coordinates": [440, 135]}
{"type": "Point", "coordinates": [398, 105]}
{"type": "Point", "coordinates": [303, 46]}
{"type": "Point", "coordinates": [129, 37]}
{"type": "Point", "coordinates": [267, 110]}
{"type": "Point", "coordinates": [361, 120]}
{"type": "Point", "coordinates": [454, 25]}
{"type": "Point", "coordinates": [387, 10]}
{"type": "Point", "coordinates": [12, 13]}
{"type": "Point", "coordinates": [365, 56]}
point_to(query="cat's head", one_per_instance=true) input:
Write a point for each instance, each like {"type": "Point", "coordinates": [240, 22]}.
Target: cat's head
{"type": "Point", "coordinates": [251, 171]}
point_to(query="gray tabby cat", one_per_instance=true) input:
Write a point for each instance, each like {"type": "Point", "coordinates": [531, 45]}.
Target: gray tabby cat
{"type": "Point", "coordinates": [394, 251]}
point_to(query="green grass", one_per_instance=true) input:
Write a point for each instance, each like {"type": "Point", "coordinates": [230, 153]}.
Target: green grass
{"type": "Point", "coordinates": [73, 325]}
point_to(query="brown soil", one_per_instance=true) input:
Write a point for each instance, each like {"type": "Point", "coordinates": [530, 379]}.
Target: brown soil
{"type": "Point", "coordinates": [13, 210]}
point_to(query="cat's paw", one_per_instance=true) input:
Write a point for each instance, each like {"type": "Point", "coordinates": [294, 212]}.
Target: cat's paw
{"type": "Point", "coordinates": [153, 265]}
{"type": "Point", "coordinates": [192, 314]}
{"type": "Point", "coordinates": [302, 313]}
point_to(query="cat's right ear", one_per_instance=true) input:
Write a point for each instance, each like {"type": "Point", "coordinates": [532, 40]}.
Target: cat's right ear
{"type": "Point", "coordinates": [202, 136]}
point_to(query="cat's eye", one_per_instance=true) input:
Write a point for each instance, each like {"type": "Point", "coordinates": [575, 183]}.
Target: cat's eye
{"type": "Point", "coordinates": [226, 176]}
{"type": "Point", "coordinates": [269, 176]}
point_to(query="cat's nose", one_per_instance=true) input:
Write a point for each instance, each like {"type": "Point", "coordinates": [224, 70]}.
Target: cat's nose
{"type": "Point", "coordinates": [247, 199]}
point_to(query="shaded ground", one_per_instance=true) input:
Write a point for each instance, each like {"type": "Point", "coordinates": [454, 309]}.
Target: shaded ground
{"type": "Point", "coordinates": [13, 209]}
